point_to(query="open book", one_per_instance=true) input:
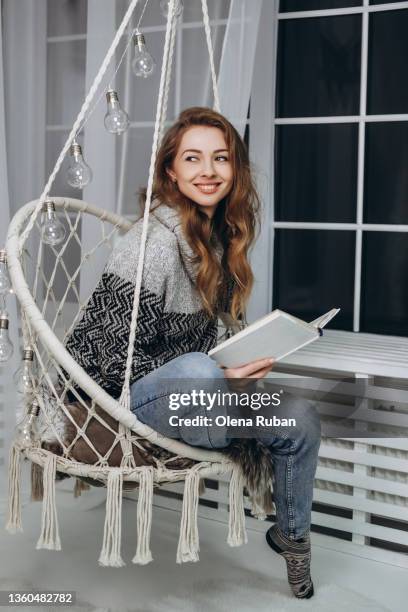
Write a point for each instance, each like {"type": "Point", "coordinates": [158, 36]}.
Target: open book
{"type": "Point", "coordinates": [276, 335]}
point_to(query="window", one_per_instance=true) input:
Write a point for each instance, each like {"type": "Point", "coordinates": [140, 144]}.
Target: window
{"type": "Point", "coordinates": [341, 152]}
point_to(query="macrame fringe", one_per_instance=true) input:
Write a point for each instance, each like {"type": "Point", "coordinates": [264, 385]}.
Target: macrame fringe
{"type": "Point", "coordinates": [201, 487]}
{"type": "Point", "coordinates": [110, 553]}
{"type": "Point", "coordinates": [80, 486]}
{"type": "Point", "coordinates": [144, 517]}
{"type": "Point", "coordinates": [188, 545]}
{"type": "Point", "coordinates": [37, 483]}
{"type": "Point", "coordinates": [49, 537]}
{"type": "Point", "coordinates": [262, 504]}
{"type": "Point", "coordinates": [257, 511]}
{"type": "Point", "coordinates": [14, 482]}
{"type": "Point", "coordinates": [237, 534]}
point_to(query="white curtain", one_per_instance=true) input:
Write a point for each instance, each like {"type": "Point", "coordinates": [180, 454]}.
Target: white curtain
{"type": "Point", "coordinates": [237, 62]}
{"type": "Point", "coordinates": [22, 155]}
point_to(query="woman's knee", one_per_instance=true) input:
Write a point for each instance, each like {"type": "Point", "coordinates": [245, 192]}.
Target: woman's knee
{"type": "Point", "coordinates": [306, 418]}
{"type": "Point", "coordinates": [200, 365]}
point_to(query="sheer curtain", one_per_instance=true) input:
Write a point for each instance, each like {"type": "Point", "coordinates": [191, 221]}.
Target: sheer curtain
{"type": "Point", "coordinates": [238, 59]}
{"type": "Point", "coordinates": [22, 155]}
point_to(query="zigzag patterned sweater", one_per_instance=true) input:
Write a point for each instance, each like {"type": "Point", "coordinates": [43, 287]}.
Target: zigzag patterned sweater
{"type": "Point", "coordinates": [171, 318]}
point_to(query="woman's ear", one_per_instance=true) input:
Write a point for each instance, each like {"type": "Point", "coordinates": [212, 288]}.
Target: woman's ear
{"type": "Point", "coordinates": [172, 174]}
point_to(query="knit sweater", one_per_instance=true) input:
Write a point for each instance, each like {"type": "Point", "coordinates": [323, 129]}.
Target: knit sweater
{"type": "Point", "coordinates": [171, 319]}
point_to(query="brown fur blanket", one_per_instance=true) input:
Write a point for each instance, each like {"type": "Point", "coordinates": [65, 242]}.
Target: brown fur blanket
{"type": "Point", "coordinates": [254, 458]}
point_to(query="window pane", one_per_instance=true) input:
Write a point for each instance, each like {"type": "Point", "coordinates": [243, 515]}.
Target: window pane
{"type": "Point", "coordinates": [387, 86]}
{"type": "Point", "coordinates": [196, 84]}
{"type": "Point", "coordinates": [319, 66]}
{"type": "Point", "coordinates": [65, 17]}
{"type": "Point", "coordinates": [316, 173]}
{"type": "Point", "coordinates": [144, 92]}
{"type": "Point", "coordinates": [315, 5]}
{"type": "Point", "coordinates": [386, 177]}
{"type": "Point", "coordinates": [384, 1]}
{"type": "Point", "coordinates": [136, 170]}
{"type": "Point", "coordinates": [217, 9]}
{"type": "Point", "coordinates": [65, 81]}
{"type": "Point", "coordinates": [384, 294]}
{"type": "Point", "coordinates": [314, 272]}
{"type": "Point", "coordinates": [152, 15]}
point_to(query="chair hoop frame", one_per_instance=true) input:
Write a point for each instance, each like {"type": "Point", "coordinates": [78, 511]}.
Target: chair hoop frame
{"type": "Point", "coordinates": [55, 346]}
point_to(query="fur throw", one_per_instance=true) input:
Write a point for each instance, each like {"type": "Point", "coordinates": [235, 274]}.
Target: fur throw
{"type": "Point", "coordinates": [256, 462]}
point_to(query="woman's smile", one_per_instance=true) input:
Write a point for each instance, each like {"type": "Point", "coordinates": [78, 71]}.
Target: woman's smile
{"type": "Point", "coordinates": [207, 188]}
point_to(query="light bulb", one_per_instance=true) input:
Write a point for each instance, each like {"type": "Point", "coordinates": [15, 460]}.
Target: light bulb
{"type": "Point", "coordinates": [24, 377]}
{"type": "Point", "coordinates": [5, 284]}
{"type": "Point", "coordinates": [164, 7]}
{"type": "Point", "coordinates": [53, 231]}
{"type": "Point", "coordinates": [79, 173]}
{"type": "Point", "coordinates": [27, 432]}
{"type": "Point", "coordinates": [143, 64]}
{"type": "Point", "coordinates": [116, 119]}
{"type": "Point", "coordinates": [6, 347]}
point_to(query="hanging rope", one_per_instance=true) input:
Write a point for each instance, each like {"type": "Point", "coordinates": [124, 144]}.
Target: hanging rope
{"type": "Point", "coordinates": [168, 77]}
{"type": "Point", "coordinates": [158, 130]}
{"type": "Point", "coordinates": [207, 29]}
{"type": "Point", "coordinates": [125, 395]}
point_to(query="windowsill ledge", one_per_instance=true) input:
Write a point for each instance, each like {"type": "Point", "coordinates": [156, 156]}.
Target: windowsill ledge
{"type": "Point", "coordinates": [352, 353]}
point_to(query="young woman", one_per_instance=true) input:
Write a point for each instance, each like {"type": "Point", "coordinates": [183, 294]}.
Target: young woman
{"type": "Point", "coordinates": [202, 224]}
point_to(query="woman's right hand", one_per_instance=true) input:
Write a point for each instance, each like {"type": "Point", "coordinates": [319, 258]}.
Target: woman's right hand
{"type": "Point", "coordinates": [254, 369]}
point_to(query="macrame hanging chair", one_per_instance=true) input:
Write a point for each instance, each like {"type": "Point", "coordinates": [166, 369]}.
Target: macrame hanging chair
{"type": "Point", "coordinates": [48, 315]}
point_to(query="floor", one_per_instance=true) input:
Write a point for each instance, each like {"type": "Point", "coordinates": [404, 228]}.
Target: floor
{"type": "Point", "coordinates": [248, 578]}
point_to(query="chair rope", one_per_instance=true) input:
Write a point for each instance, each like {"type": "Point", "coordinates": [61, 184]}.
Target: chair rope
{"type": "Point", "coordinates": [158, 129]}
{"type": "Point", "coordinates": [207, 28]}
{"type": "Point", "coordinates": [125, 395]}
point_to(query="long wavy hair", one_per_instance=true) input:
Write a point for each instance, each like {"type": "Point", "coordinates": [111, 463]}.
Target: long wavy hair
{"type": "Point", "coordinates": [234, 222]}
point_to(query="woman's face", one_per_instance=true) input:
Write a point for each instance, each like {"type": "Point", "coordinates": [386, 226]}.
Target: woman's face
{"type": "Point", "coordinates": [202, 167]}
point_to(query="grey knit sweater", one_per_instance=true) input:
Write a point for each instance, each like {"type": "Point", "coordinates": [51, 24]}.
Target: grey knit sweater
{"type": "Point", "coordinates": [171, 318]}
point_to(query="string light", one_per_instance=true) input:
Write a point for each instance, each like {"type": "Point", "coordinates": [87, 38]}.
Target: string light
{"type": "Point", "coordinates": [116, 119]}
{"type": "Point", "coordinates": [24, 377]}
{"type": "Point", "coordinates": [143, 64]}
{"type": "Point", "coordinates": [27, 432]}
{"type": "Point", "coordinates": [5, 284]}
{"type": "Point", "coordinates": [6, 346]}
{"type": "Point", "coordinates": [52, 230]}
{"type": "Point", "coordinates": [79, 173]}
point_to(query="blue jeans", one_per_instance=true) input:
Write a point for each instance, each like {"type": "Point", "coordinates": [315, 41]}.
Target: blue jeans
{"type": "Point", "coordinates": [294, 448]}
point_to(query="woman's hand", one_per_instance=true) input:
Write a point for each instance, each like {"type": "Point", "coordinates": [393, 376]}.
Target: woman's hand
{"type": "Point", "coordinates": [254, 369]}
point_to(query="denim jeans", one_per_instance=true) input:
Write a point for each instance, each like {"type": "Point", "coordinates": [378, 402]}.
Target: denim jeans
{"type": "Point", "coordinates": [294, 448]}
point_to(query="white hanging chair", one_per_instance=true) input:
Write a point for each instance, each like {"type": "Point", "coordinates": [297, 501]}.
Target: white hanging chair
{"type": "Point", "coordinates": [48, 314]}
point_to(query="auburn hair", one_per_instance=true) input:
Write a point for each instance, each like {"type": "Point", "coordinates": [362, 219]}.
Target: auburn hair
{"type": "Point", "coordinates": [234, 222]}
